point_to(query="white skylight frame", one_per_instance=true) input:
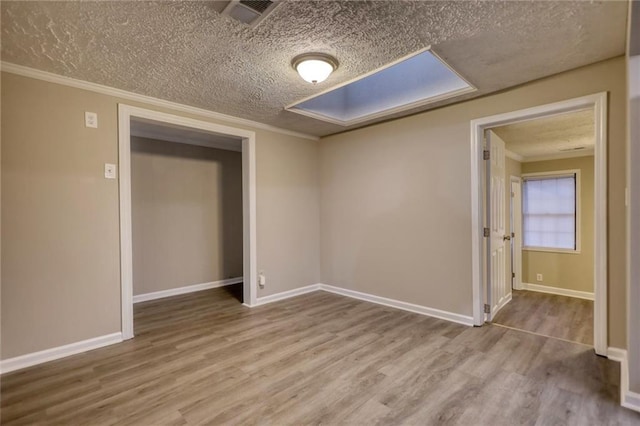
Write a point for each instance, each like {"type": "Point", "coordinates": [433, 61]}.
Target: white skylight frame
{"type": "Point", "coordinates": [387, 111]}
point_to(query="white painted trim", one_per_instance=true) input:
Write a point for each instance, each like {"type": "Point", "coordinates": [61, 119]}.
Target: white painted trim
{"type": "Point", "coordinates": [398, 304]}
{"type": "Point", "coordinates": [628, 399]}
{"type": "Point", "coordinates": [551, 250]}
{"type": "Point", "coordinates": [184, 290]}
{"type": "Point", "coordinates": [383, 113]}
{"type": "Point", "coordinates": [601, 179]}
{"type": "Point", "coordinates": [597, 102]}
{"type": "Point", "coordinates": [477, 223]}
{"type": "Point", "coordinates": [557, 290]}
{"type": "Point", "coordinates": [405, 306]}
{"type": "Point", "coordinates": [633, 218]}
{"type": "Point", "coordinates": [98, 342]}
{"type": "Point", "coordinates": [389, 111]}
{"type": "Point", "coordinates": [284, 295]}
{"type": "Point", "coordinates": [231, 145]}
{"type": "Point", "coordinates": [28, 360]}
{"type": "Point", "coordinates": [130, 96]}
{"type": "Point", "coordinates": [516, 227]}
{"type": "Point", "coordinates": [616, 354]}
{"type": "Point", "coordinates": [126, 233]}
{"type": "Point", "coordinates": [125, 114]}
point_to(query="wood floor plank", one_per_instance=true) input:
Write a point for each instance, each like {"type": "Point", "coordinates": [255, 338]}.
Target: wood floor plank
{"type": "Point", "coordinates": [320, 358]}
{"type": "Point", "coordinates": [551, 315]}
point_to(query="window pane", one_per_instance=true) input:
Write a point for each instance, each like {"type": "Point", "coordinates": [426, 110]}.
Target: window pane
{"type": "Point", "coordinates": [549, 212]}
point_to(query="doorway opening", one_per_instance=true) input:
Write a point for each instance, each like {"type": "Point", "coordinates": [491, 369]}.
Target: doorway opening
{"type": "Point", "coordinates": [557, 224]}
{"type": "Point", "coordinates": [160, 135]}
{"type": "Point", "coordinates": [549, 212]}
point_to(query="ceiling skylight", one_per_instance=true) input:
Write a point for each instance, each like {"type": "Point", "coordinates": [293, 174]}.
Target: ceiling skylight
{"type": "Point", "coordinates": [416, 80]}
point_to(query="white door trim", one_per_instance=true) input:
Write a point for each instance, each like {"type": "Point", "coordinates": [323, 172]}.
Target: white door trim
{"type": "Point", "coordinates": [516, 228]}
{"type": "Point", "coordinates": [596, 102]}
{"type": "Point", "coordinates": [125, 113]}
{"type": "Point", "coordinates": [633, 225]}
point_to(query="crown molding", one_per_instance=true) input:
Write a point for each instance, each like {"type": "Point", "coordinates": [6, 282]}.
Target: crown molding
{"type": "Point", "coordinates": [123, 94]}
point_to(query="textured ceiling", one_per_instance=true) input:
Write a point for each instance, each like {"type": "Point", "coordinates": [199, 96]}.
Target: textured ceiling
{"type": "Point", "coordinates": [186, 52]}
{"type": "Point", "coordinates": [551, 135]}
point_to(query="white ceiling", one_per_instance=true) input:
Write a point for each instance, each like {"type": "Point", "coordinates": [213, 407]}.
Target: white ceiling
{"type": "Point", "coordinates": [551, 137]}
{"type": "Point", "coordinates": [186, 52]}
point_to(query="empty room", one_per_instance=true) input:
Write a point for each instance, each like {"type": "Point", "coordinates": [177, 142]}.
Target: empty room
{"type": "Point", "coordinates": [548, 232]}
{"type": "Point", "coordinates": [320, 212]}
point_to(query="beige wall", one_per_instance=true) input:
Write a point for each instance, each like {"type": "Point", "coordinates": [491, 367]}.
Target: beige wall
{"type": "Point", "coordinates": [394, 206]}
{"type": "Point", "coordinates": [186, 204]}
{"type": "Point", "coordinates": [396, 199]}
{"type": "Point", "coordinates": [60, 249]}
{"type": "Point", "coordinates": [566, 270]}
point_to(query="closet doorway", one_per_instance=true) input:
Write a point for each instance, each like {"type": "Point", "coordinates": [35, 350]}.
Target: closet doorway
{"type": "Point", "coordinates": [150, 131]}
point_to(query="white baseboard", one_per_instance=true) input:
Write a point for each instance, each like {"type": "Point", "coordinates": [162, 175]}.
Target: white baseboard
{"type": "Point", "coordinates": [616, 354]}
{"type": "Point", "coordinates": [557, 290]}
{"type": "Point", "coordinates": [405, 306]}
{"type": "Point", "coordinates": [85, 345]}
{"type": "Point", "coordinates": [628, 399]}
{"type": "Point", "coordinates": [284, 295]}
{"type": "Point", "coordinates": [184, 290]}
{"type": "Point", "coordinates": [23, 361]}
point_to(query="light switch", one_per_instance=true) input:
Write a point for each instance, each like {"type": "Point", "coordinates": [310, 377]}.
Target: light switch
{"type": "Point", "coordinates": [91, 119]}
{"type": "Point", "coordinates": [109, 171]}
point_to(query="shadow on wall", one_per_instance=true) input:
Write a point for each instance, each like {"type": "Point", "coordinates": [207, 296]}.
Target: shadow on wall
{"type": "Point", "coordinates": [186, 214]}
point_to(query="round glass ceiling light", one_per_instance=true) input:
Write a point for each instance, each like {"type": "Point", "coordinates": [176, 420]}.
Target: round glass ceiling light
{"type": "Point", "coordinates": [314, 67]}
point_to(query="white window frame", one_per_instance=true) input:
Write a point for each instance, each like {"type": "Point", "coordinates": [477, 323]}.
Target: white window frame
{"type": "Point", "coordinates": [551, 175]}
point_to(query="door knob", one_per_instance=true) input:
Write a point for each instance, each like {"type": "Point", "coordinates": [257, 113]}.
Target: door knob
{"type": "Point", "coordinates": [506, 238]}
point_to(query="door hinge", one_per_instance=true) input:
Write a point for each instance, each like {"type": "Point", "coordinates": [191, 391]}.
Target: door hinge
{"type": "Point", "coordinates": [487, 308]}
{"type": "Point", "coordinates": [486, 232]}
{"type": "Point", "coordinates": [513, 275]}
{"type": "Point", "coordinates": [486, 154]}
{"type": "Point", "coordinates": [513, 234]}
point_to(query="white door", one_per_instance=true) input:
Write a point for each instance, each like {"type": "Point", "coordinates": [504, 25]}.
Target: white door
{"type": "Point", "coordinates": [498, 289]}
{"type": "Point", "coordinates": [516, 233]}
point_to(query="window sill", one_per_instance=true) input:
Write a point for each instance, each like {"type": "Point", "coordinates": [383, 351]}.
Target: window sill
{"type": "Point", "coordinates": [551, 250]}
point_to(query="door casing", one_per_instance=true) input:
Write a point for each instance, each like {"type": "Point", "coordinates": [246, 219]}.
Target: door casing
{"type": "Point", "coordinates": [125, 114]}
{"type": "Point", "coordinates": [598, 104]}
{"type": "Point", "coordinates": [515, 210]}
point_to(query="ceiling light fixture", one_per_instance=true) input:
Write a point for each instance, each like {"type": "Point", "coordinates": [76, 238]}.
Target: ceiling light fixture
{"type": "Point", "coordinates": [314, 67]}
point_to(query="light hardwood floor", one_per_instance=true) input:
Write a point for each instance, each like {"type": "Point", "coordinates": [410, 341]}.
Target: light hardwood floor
{"type": "Point", "coordinates": [203, 358]}
{"type": "Point", "coordinates": [551, 315]}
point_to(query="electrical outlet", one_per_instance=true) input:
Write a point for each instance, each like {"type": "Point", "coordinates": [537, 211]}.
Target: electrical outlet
{"type": "Point", "coordinates": [539, 277]}
{"type": "Point", "coordinates": [109, 171]}
{"type": "Point", "coordinates": [262, 280]}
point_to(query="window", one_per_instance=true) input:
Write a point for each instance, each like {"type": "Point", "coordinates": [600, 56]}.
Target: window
{"type": "Point", "coordinates": [550, 219]}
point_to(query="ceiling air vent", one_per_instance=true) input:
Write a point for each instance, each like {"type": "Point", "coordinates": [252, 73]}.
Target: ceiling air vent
{"type": "Point", "coordinates": [577, 148]}
{"type": "Point", "coordinates": [249, 12]}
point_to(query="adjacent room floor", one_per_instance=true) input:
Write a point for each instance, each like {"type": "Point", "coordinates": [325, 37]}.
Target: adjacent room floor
{"type": "Point", "coordinates": [550, 315]}
{"type": "Point", "coordinates": [316, 358]}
